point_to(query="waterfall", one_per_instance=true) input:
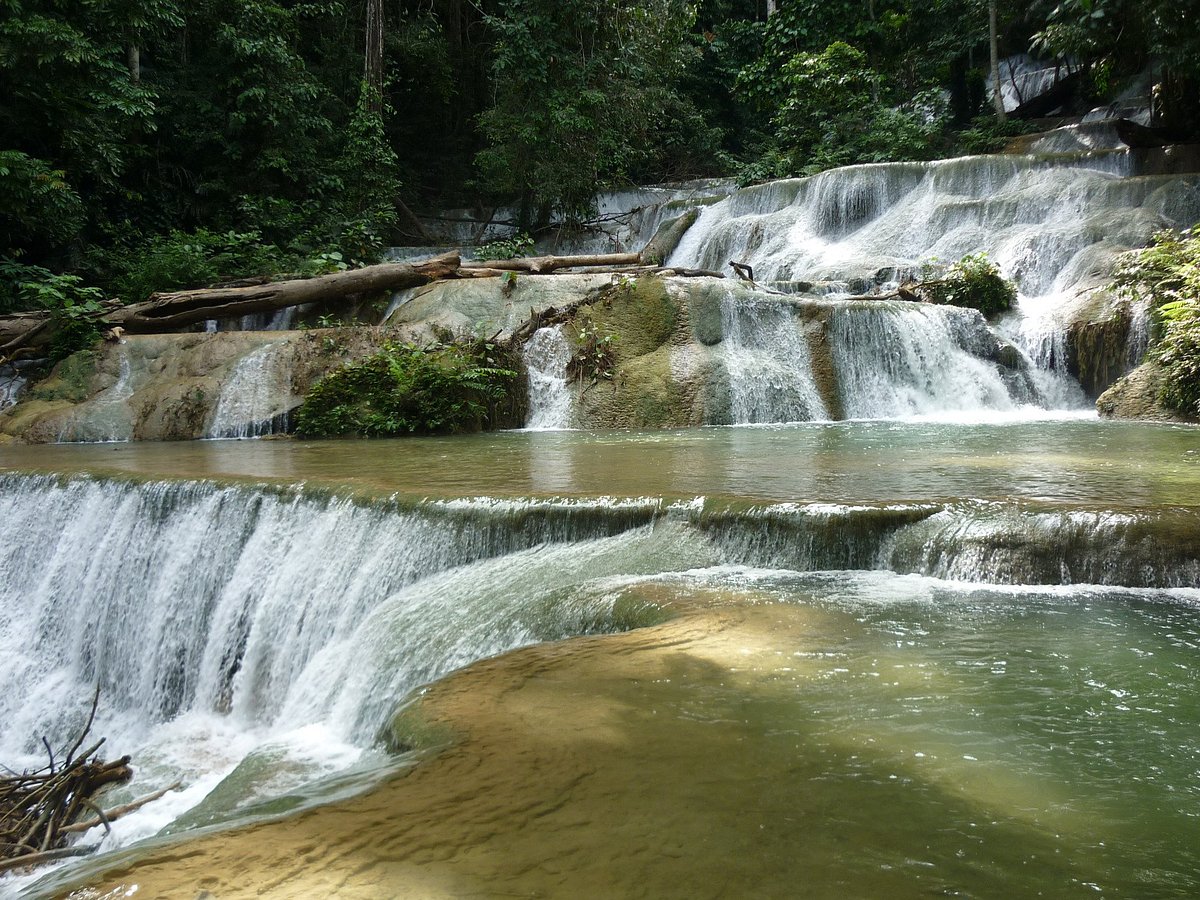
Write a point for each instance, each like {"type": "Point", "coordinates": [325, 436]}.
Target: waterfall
{"type": "Point", "coordinates": [218, 620]}
{"type": "Point", "coordinates": [1052, 225]}
{"type": "Point", "coordinates": [900, 359]}
{"type": "Point", "coordinates": [253, 399]}
{"type": "Point", "coordinates": [551, 405]}
{"type": "Point", "coordinates": [107, 417]}
{"type": "Point", "coordinates": [767, 358]}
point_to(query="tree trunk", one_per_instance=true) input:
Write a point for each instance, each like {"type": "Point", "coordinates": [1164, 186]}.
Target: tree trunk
{"type": "Point", "coordinates": [133, 60]}
{"type": "Point", "coordinates": [373, 55]}
{"type": "Point", "coordinates": [994, 46]}
{"type": "Point", "coordinates": [178, 309]}
{"type": "Point", "coordinates": [541, 265]}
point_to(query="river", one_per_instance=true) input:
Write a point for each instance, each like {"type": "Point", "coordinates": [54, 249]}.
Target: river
{"type": "Point", "coordinates": [954, 657]}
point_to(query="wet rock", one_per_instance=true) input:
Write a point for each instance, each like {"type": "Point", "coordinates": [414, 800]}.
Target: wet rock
{"type": "Point", "coordinates": [1135, 396]}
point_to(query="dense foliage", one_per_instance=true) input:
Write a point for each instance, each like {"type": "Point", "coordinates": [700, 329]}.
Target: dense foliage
{"type": "Point", "coordinates": [405, 389]}
{"type": "Point", "coordinates": [975, 282]}
{"type": "Point", "coordinates": [1167, 275]}
{"type": "Point", "coordinates": [158, 144]}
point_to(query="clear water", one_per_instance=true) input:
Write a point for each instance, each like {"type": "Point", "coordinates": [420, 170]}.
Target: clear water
{"type": "Point", "coordinates": [875, 658]}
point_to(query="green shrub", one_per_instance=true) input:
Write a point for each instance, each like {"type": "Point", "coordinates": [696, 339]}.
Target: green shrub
{"type": "Point", "coordinates": [974, 281]}
{"type": "Point", "coordinates": [180, 260]}
{"type": "Point", "coordinates": [70, 302]}
{"type": "Point", "coordinates": [405, 389]}
{"type": "Point", "coordinates": [1167, 274]}
{"type": "Point", "coordinates": [520, 244]}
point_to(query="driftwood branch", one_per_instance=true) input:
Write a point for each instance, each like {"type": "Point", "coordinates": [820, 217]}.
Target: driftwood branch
{"type": "Point", "coordinates": [107, 816]}
{"type": "Point", "coordinates": [743, 271]}
{"type": "Point", "coordinates": [40, 809]}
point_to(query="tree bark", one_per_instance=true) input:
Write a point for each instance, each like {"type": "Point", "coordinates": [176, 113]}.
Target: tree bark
{"type": "Point", "coordinates": [541, 265]}
{"type": "Point", "coordinates": [178, 309]}
{"type": "Point", "coordinates": [994, 47]}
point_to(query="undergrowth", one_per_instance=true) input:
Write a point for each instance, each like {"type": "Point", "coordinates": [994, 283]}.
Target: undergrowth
{"type": "Point", "coordinates": [405, 389]}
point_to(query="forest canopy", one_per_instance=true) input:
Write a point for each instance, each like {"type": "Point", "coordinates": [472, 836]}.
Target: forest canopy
{"type": "Point", "coordinates": [154, 144]}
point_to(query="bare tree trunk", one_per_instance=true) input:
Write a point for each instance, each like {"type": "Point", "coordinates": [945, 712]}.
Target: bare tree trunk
{"type": "Point", "coordinates": [994, 44]}
{"type": "Point", "coordinates": [772, 7]}
{"type": "Point", "coordinates": [133, 60]}
{"type": "Point", "coordinates": [373, 55]}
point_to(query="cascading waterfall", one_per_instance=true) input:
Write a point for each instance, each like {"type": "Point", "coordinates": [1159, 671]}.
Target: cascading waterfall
{"type": "Point", "coordinates": [226, 615]}
{"type": "Point", "coordinates": [551, 404]}
{"type": "Point", "coordinates": [250, 401]}
{"type": "Point", "coordinates": [1053, 225]}
{"type": "Point", "coordinates": [767, 358]}
{"type": "Point", "coordinates": [898, 359]}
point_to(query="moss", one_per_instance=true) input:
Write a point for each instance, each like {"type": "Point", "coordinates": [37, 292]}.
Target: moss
{"type": "Point", "coordinates": [70, 380]}
{"type": "Point", "coordinates": [824, 369]}
{"type": "Point", "coordinates": [1096, 352]}
{"type": "Point", "coordinates": [643, 394]}
{"type": "Point", "coordinates": [704, 311]}
{"type": "Point", "coordinates": [667, 237]}
{"type": "Point", "coordinates": [640, 312]}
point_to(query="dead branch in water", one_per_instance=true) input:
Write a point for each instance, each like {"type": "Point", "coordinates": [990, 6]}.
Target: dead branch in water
{"type": "Point", "coordinates": [40, 809]}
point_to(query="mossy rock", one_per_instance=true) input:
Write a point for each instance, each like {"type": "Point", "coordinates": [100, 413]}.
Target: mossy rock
{"type": "Point", "coordinates": [1097, 352]}
{"type": "Point", "coordinates": [645, 392]}
{"type": "Point", "coordinates": [37, 421]}
{"type": "Point", "coordinates": [71, 380]}
{"type": "Point", "coordinates": [704, 310]}
{"type": "Point", "coordinates": [1136, 396]}
{"type": "Point", "coordinates": [640, 313]}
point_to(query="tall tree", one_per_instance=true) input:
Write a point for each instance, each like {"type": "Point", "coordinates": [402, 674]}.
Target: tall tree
{"type": "Point", "coordinates": [994, 56]}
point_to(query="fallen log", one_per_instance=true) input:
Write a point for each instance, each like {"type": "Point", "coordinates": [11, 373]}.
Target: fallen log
{"type": "Point", "coordinates": [542, 265]}
{"type": "Point", "coordinates": [165, 311]}
{"type": "Point", "coordinates": [178, 309]}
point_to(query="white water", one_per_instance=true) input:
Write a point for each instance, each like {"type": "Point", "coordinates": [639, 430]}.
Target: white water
{"type": "Point", "coordinates": [899, 359]}
{"type": "Point", "coordinates": [236, 629]}
{"type": "Point", "coordinates": [767, 358]}
{"type": "Point", "coordinates": [551, 403]}
{"type": "Point", "coordinates": [250, 401]}
{"type": "Point", "coordinates": [1052, 225]}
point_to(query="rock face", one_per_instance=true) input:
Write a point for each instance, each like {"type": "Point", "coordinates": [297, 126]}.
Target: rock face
{"type": "Point", "coordinates": [652, 351]}
{"type": "Point", "coordinates": [1135, 396]}
{"type": "Point", "coordinates": [183, 386]}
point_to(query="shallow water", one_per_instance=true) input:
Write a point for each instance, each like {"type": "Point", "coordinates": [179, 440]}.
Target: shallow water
{"type": "Point", "coordinates": [1072, 459]}
{"type": "Point", "coordinates": [779, 722]}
